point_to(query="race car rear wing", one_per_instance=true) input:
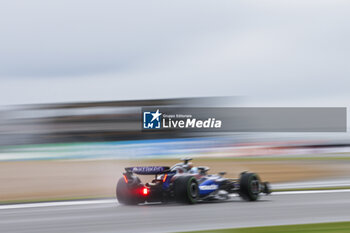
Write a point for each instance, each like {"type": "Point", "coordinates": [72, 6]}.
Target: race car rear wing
{"type": "Point", "coordinates": [148, 170]}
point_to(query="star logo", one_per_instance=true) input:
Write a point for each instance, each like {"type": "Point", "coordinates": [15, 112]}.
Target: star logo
{"type": "Point", "coordinates": [156, 115]}
{"type": "Point", "coordinates": [152, 120]}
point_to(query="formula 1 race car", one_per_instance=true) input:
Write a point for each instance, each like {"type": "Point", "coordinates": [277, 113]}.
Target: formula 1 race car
{"type": "Point", "coordinates": [186, 184]}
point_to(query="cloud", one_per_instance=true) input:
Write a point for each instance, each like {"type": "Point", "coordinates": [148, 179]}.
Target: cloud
{"type": "Point", "coordinates": [103, 50]}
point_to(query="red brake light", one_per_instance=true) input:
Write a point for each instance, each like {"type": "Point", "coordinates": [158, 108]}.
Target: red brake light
{"type": "Point", "coordinates": [145, 191]}
{"type": "Point", "coordinates": [126, 179]}
{"type": "Point", "coordinates": [164, 178]}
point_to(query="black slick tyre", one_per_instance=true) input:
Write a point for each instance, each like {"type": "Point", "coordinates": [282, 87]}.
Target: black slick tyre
{"type": "Point", "coordinates": [249, 186]}
{"type": "Point", "coordinates": [127, 195]}
{"type": "Point", "coordinates": [186, 190]}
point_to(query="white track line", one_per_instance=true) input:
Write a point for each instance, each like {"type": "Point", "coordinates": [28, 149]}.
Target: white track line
{"type": "Point", "coordinates": [311, 192]}
{"type": "Point", "coordinates": [114, 201]}
{"type": "Point", "coordinates": [58, 203]}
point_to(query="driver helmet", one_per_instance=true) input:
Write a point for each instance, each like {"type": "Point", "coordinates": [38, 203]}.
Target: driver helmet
{"type": "Point", "coordinates": [189, 166]}
{"type": "Point", "coordinates": [194, 170]}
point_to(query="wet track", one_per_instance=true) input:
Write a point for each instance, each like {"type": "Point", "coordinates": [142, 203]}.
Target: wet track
{"type": "Point", "coordinates": [110, 217]}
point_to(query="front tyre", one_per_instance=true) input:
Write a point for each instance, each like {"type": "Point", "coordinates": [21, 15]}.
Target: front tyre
{"type": "Point", "coordinates": [186, 189]}
{"type": "Point", "coordinates": [249, 186]}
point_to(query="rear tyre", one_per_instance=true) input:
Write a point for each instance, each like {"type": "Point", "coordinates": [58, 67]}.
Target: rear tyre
{"type": "Point", "coordinates": [249, 186]}
{"type": "Point", "coordinates": [127, 195]}
{"type": "Point", "coordinates": [186, 190]}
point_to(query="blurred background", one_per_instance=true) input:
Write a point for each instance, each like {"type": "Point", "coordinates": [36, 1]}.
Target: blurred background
{"type": "Point", "coordinates": [79, 150]}
{"type": "Point", "coordinates": [75, 75]}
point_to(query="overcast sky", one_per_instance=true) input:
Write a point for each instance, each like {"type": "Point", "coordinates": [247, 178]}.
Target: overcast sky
{"type": "Point", "coordinates": [271, 51]}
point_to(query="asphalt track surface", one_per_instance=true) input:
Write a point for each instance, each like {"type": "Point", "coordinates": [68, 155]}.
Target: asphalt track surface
{"type": "Point", "coordinates": [108, 216]}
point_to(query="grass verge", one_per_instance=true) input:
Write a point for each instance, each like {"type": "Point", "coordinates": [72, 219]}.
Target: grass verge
{"type": "Point", "coordinates": [336, 227]}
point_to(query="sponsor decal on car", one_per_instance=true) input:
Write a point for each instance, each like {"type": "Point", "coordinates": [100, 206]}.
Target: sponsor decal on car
{"type": "Point", "coordinates": [151, 169]}
{"type": "Point", "coordinates": [209, 187]}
